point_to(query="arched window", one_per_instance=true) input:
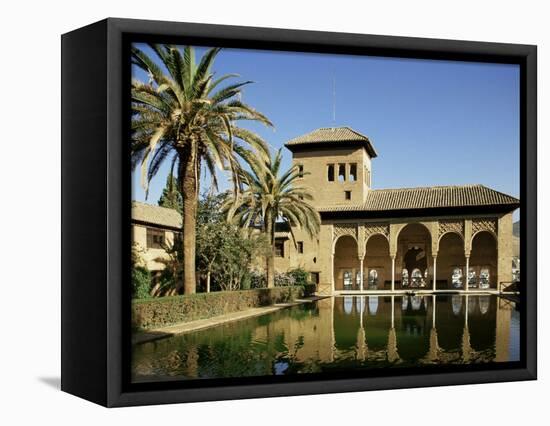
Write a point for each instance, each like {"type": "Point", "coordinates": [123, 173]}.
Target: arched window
{"type": "Point", "coordinates": [348, 281]}
{"type": "Point", "coordinates": [373, 278]}
{"type": "Point", "coordinates": [456, 278]}
{"type": "Point", "coordinates": [405, 278]}
{"type": "Point", "coordinates": [416, 278]}
{"type": "Point", "coordinates": [484, 276]}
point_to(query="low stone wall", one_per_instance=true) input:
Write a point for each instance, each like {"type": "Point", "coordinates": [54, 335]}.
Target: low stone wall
{"type": "Point", "coordinates": [162, 311]}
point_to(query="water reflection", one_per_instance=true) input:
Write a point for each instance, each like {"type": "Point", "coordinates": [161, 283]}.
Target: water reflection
{"type": "Point", "coordinates": [342, 333]}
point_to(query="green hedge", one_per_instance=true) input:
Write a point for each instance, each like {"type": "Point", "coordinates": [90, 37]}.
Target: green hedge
{"type": "Point", "coordinates": [162, 311]}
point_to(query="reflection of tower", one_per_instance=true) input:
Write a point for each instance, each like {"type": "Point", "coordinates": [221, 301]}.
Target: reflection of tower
{"type": "Point", "coordinates": [362, 349]}
{"type": "Point", "coordinates": [466, 347]}
{"type": "Point", "coordinates": [433, 354]}
{"type": "Point", "coordinates": [393, 355]}
{"type": "Point", "coordinates": [332, 336]}
{"type": "Point", "coordinates": [502, 340]}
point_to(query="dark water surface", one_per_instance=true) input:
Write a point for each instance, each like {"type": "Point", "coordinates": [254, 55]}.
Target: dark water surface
{"type": "Point", "coordinates": [341, 333]}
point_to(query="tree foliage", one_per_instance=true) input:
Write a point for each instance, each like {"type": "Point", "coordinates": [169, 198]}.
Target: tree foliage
{"type": "Point", "coordinates": [171, 195]}
{"type": "Point", "coordinates": [225, 253]}
{"type": "Point", "coordinates": [269, 195]}
{"type": "Point", "coordinates": [186, 117]}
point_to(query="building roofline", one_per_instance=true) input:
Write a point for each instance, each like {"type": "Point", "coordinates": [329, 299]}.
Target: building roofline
{"type": "Point", "coordinates": [302, 142]}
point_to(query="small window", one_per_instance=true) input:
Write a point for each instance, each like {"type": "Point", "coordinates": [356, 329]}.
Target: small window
{"type": "Point", "coordinates": [279, 248]}
{"type": "Point", "coordinates": [341, 172]}
{"type": "Point", "coordinates": [300, 246]}
{"type": "Point", "coordinates": [331, 173]}
{"type": "Point", "coordinates": [155, 238]}
{"type": "Point", "coordinates": [353, 172]}
{"type": "Point", "coordinates": [314, 277]}
{"type": "Point", "coordinates": [456, 277]}
{"type": "Point", "coordinates": [405, 278]}
{"type": "Point", "coordinates": [348, 195]}
{"type": "Point", "coordinates": [348, 280]}
{"type": "Point", "coordinates": [484, 276]}
{"type": "Point", "coordinates": [300, 170]}
{"type": "Point", "coordinates": [373, 278]}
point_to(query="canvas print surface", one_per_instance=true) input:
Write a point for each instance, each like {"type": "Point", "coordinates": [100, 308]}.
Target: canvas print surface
{"type": "Point", "coordinates": [301, 213]}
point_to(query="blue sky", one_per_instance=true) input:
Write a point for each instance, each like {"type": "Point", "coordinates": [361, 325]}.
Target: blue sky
{"type": "Point", "coordinates": [431, 122]}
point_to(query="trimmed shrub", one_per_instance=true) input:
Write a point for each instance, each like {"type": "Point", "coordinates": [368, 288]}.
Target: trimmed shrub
{"type": "Point", "coordinates": [158, 312]}
{"type": "Point", "coordinates": [141, 282]}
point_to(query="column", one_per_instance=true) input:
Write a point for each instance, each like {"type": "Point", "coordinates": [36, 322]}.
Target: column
{"type": "Point", "coordinates": [393, 273]}
{"type": "Point", "coordinates": [392, 311]}
{"type": "Point", "coordinates": [361, 273]}
{"type": "Point", "coordinates": [467, 273]}
{"type": "Point", "coordinates": [332, 272]}
{"type": "Point", "coordinates": [466, 312]}
{"type": "Point", "coordinates": [433, 311]}
{"type": "Point", "coordinates": [435, 274]}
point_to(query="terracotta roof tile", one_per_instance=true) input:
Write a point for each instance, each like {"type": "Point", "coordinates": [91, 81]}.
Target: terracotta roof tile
{"type": "Point", "coordinates": [427, 197]}
{"type": "Point", "coordinates": [156, 215]}
{"type": "Point", "coordinates": [333, 135]}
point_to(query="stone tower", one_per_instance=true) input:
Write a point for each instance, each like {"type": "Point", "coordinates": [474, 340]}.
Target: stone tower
{"type": "Point", "coordinates": [336, 162]}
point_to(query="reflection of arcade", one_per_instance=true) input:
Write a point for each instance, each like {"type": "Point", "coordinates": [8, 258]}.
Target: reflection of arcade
{"type": "Point", "coordinates": [422, 329]}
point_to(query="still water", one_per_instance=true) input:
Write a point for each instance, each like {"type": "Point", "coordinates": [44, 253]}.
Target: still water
{"type": "Point", "coordinates": [341, 333]}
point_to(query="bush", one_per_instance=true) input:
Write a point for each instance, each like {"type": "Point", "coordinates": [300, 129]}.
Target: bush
{"type": "Point", "coordinates": [141, 282]}
{"type": "Point", "coordinates": [257, 279]}
{"type": "Point", "coordinates": [309, 289]}
{"type": "Point", "coordinates": [300, 276]}
{"type": "Point", "coordinates": [162, 311]}
{"type": "Point", "coordinates": [283, 279]}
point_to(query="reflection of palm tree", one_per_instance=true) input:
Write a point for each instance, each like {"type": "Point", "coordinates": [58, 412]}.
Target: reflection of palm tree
{"type": "Point", "coordinates": [433, 353]}
{"type": "Point", "coordinates": [466, 346]}
{"type": "Point", "coordinates": [179, 118]}
{"type": "Point", "coordinates": [269, 196]}
{"type": "Point", "coordinates": [393, 355]}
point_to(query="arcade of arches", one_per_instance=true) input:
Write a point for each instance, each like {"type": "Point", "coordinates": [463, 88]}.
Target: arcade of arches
{"type": "Point", "coordinates": [397, 256]}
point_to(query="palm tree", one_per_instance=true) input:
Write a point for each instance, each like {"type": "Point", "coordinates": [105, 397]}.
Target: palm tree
{"type": "Point", "coordinates": [181, 116]}
{"type": "Point", "coordinates": [268, 197]}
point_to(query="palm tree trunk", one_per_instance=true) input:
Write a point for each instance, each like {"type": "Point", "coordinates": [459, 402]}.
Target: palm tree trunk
{"type": "Point", "coordinates": [188, 180]}
{"type": "Point", "coordinates": [270, 261]}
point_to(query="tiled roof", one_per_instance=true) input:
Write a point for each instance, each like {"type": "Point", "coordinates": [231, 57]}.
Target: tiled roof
{"type": "Point", "coordinates": [155, 215]}
{"type": "Point", "coordinates": [428, 197]}
{"type": "Point", "coordinates": [333, 135]}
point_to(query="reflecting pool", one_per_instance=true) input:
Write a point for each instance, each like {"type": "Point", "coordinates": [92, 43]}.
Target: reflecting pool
{"type": "Point", "coordinates": [341, 333]}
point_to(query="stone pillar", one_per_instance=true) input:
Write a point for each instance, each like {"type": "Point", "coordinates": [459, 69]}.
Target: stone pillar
{"type": "Point", "coordinates": [435, 273]}
{"type": "Point", "coordinates": [393, 274]}
{"type": "Point", "coordinates": [361, 274]}
{"type": "Point", "coordinates": [433, 311]}
{"type": "Point", "coordinates": [466, 286]}
{"type": "Point", "coordinates": [504, 250]}
{"type": "Point", "coordinates": [392, 311]}
{"type": "Point", "coordinates": [333, 284]}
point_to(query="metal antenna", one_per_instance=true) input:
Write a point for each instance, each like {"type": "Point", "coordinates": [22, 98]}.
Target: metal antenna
{"type": "Point", "coordinates": [333, 100]}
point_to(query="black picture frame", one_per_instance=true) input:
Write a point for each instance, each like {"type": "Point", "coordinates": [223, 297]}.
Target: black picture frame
{"type": "Point", "coordinates": [96, 208]}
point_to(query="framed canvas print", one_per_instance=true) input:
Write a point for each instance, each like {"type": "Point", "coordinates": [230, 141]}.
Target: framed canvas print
{"type": "Point", "coordinates": [253, 212]}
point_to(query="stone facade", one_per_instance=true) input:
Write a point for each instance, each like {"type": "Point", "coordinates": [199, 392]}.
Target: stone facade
{"type": "Point", "coordinates": [394, 239]}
